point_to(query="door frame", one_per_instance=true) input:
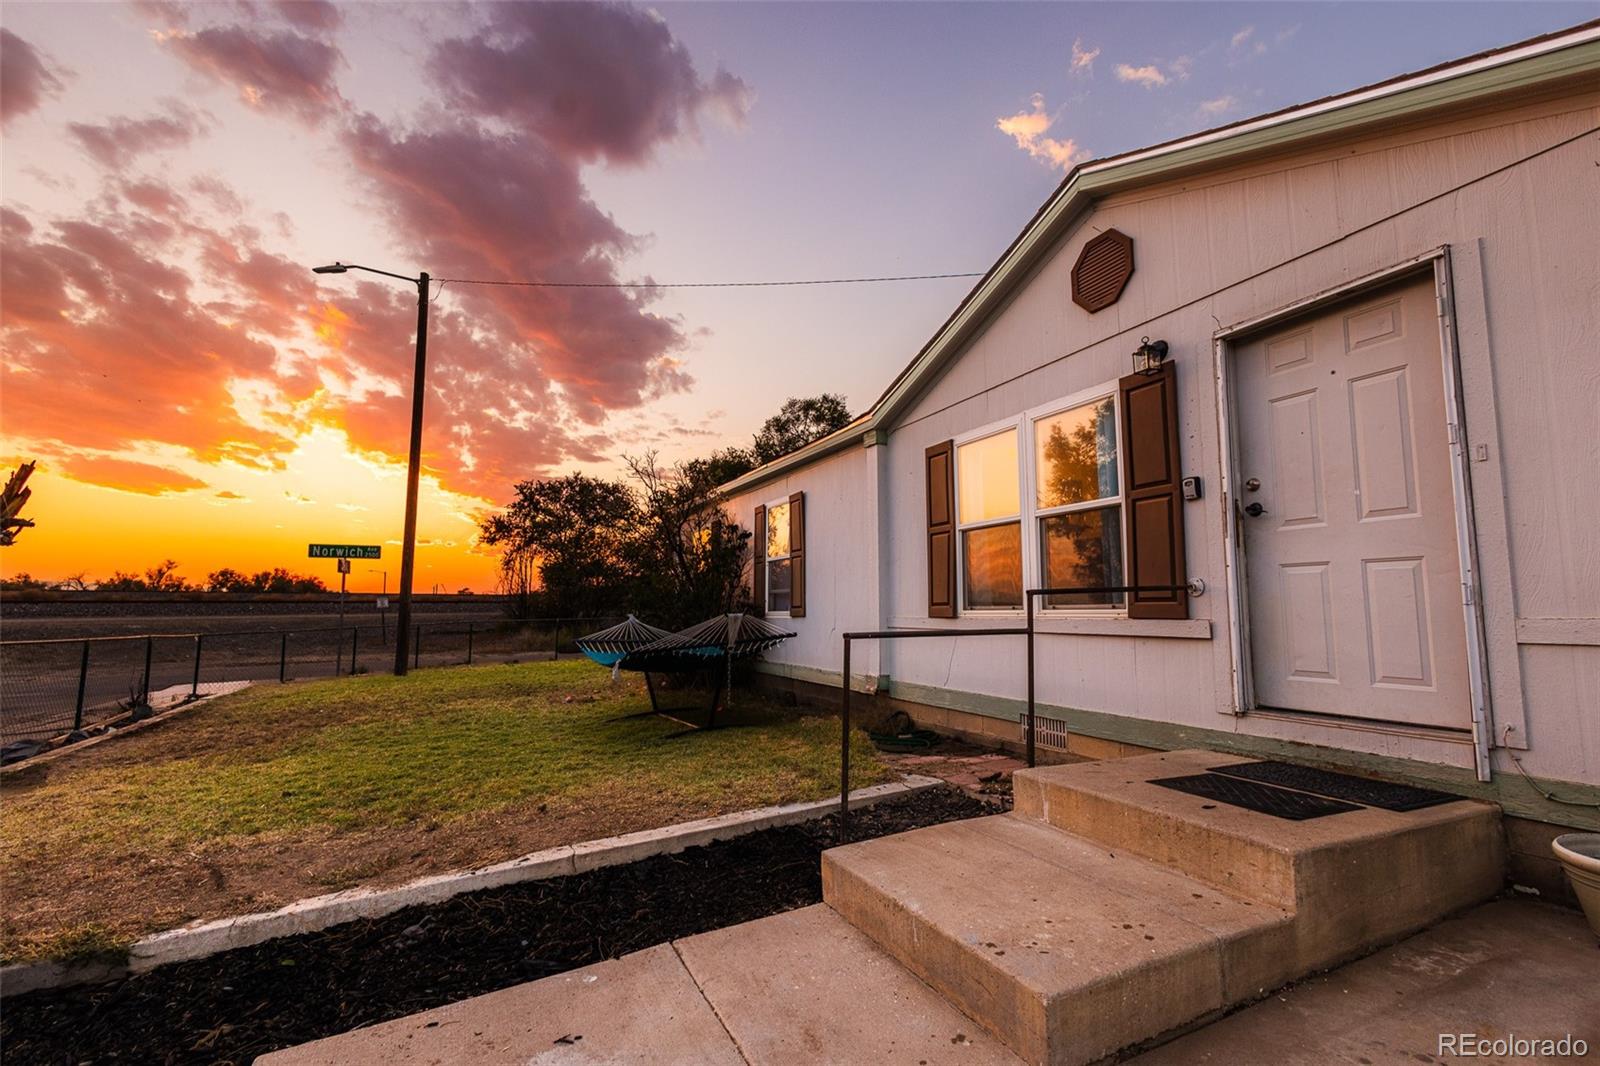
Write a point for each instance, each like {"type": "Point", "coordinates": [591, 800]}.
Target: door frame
{"type": "Point", "coordinates": [1437, 263]}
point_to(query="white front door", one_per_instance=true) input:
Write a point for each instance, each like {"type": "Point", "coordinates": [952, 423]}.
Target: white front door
{"type": "Point", "coordinates": [1347, 514]}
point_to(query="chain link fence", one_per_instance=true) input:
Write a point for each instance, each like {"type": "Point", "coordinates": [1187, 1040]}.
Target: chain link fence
{"type": "Point", "coordinates": [50, 688]}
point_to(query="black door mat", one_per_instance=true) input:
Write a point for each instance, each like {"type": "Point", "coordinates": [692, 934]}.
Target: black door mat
{"type": "Point", "coordinates": [1363, 790]}
{"type": "Point", "coordinates": [1254, 796]}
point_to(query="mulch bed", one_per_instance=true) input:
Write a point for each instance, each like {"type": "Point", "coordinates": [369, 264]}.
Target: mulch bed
{"type": "Point", "coordinates": [232, 1007]}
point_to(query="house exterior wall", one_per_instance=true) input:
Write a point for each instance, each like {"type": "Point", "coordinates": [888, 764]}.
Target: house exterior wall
{"type": "Point", "coordinates": [842, 564]}
{"type": "Point", "coordinates": [1233, 246]}
{"type": "Point", "coordinates": [1514, 207]}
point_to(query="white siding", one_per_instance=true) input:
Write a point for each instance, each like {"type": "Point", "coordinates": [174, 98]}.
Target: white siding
{"type": "Point", "coordinates": [1228, 247]}
{"type": "Point", "coordinates": [841, 565]}
{"type": "Point", "coordinates": [1232, 247]}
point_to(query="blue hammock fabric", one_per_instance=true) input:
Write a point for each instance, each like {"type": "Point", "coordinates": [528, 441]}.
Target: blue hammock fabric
{"type": "Point", "coordinates": [609, 646]}
{"type": "Point", "coordinates": [733, 636]}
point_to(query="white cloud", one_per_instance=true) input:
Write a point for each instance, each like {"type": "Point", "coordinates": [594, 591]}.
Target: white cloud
{"type": "Point", "coordinates": [1242, 37]}
{"type": "Point", "coordinates": [1220, 106]}
{"type": "Point", "coordinates": [1083, 58]}
{"type": "Point", "coordinates": [1029, 129]}
{"type": "Point", "coordinates": [1148, 76]}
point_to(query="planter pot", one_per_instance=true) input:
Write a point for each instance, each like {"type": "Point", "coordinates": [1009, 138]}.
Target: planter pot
{"type": "Point", "coordinates": [1580, 854]}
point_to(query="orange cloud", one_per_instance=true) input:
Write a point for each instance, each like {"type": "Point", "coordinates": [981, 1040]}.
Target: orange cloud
{"type": "Point", "coordinates": [126, 475]}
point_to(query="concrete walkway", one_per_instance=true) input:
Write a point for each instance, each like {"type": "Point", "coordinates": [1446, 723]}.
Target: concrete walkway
{"type": "Point", "coordinates": [1510, 967]}
{"type": "Point", "coordinates": [800, 987]}
{"type": "Point", "coordinates": [807, 988]}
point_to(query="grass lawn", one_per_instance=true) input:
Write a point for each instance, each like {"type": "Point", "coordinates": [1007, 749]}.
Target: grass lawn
{"type": "Point", "coordinates": [275, 793]}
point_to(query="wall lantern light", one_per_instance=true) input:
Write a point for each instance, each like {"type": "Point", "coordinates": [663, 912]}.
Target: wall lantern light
{"type": "Point", "coordinates": [1149, 356]}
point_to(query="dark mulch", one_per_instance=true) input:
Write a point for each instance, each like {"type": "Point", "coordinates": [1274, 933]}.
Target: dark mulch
{"type": "Point", "coordinates": [233, 1007]}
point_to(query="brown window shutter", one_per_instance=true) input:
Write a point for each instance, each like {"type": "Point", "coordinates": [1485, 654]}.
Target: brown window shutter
{"type": "Point", "coordinates": [758, 566]}
{"type": "Point", "coordinates": [941, 530]}
{"type": "Point", "coordinates": [797, 555]}
{"type": "Point", "coordinates": [1153, 493]}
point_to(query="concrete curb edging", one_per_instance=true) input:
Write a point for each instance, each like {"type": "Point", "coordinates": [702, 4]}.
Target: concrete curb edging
{"type": "Point", "coordinates": [202, 939]}
{"type": "Point", "coordinates": [170, 709]}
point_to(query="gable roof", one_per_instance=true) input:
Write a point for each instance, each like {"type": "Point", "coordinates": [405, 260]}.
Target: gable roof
{"type": "Point", "coordinates": [1460, 82]}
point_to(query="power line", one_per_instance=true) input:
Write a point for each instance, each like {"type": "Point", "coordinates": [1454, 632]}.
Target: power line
{"type": "Point", "coordinates": [699, 284]}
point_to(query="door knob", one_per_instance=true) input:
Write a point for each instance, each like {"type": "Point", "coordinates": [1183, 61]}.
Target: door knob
{"type": "Point", "coordinates": [1255, 510]}
{"type": "Point", "coordinates": [1253, 485]}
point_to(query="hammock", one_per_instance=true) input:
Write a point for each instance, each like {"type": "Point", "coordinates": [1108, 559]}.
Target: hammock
{"type": "Point", "coordinates": [730, 636]}
{"type": "Point", "coordinates": [636, 646]}
{"type": "Point", "coordinates": [609, 646]}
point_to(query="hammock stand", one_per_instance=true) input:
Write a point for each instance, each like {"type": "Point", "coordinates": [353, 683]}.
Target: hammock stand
{"type": "Point", "coordinates": [726, 637]}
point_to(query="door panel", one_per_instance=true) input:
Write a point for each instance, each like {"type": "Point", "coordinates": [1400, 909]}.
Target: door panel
{"type": "Point", "coordinates": [1352, 580]}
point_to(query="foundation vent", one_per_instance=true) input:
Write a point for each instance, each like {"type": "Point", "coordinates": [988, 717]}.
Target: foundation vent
{"type": "Point", "coordinates": [1047, 732]}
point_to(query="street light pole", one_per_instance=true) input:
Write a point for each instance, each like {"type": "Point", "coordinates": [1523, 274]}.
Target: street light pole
{"type": "Point", "coordinates": [408, 549]}
{"type": "Point", "coordinates": [408, 546]}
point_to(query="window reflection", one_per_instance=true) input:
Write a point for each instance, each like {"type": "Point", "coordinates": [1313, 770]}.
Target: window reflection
{"type": "Point", "coordinates": [777, 530]}
{"type": "Point", "coordinates": [1083, 548]}
{"type": "Point", "coordinates": [986, 472]}
{"type": "Point", "coordinates": [993, 570]}
{"type": "Point", "coordinates": [780, 585]}
{"type": "Point", "coordinates": [1077, 455]}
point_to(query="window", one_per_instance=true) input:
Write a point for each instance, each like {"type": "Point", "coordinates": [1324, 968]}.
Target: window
{"type": "Point", "coordinates": [989, 518]}
{"type": "Point", "coordinates": [1078, 503]}
{"type": "Point", "coordinates": [1066, 530]}
{"type": "Point", "coordinates": [780, 575]}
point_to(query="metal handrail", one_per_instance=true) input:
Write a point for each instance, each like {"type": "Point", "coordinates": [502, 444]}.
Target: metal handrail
{"type": "Point", "coordinates": [1084, 590]}
{"type": "Point", "coordinates": [988, 631]}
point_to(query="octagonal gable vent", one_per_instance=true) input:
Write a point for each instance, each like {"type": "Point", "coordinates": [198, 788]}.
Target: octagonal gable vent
{"type": "Point", "coordinates": [1102, 270]}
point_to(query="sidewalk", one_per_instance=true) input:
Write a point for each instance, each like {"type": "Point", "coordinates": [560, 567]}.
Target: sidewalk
{"type": "Point", "coordinates": [817, 991]}
{"type": "Point", "coordinates": [1507, 968]}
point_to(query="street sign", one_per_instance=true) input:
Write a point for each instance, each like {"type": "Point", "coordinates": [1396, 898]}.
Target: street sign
{"type": "Point", "coordinates": [344, 566]}
{"type": "Point", "coordinates": [344, 551]}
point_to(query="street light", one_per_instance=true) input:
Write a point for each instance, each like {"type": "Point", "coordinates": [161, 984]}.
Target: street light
{"type": "Point", "coordinates": [408, 546]}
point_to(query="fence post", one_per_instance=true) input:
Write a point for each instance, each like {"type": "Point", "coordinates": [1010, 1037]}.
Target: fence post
{"type": "Point", "coordinates": [338, 651]}
{"type": "Point", "coordinates": [283, 659]}
{"type": "Point", "coordinates": [469, 643]}
{"type": "Point", "coordinates": [355, 636]}
{"type": "Point", "coordinates": [83, 680]}
{"type": "Point", "coordinates": [416, 648]}
{"type": "Point", "coordinates": [144, 685]}
{"type": "Point", "coordinates": [194, 686]}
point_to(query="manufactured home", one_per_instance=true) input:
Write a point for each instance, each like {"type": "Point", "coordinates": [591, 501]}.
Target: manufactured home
{"type": "Point", "coordinates": [1323, 386]}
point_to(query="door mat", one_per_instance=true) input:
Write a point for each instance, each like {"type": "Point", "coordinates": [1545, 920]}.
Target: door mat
{"type": "Point", "coordinates": [1254, 796]}
{"type": "Point", "coordinates": [1362, 790]}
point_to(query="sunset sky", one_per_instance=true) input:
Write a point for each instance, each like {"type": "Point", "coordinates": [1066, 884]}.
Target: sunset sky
{"type": "Point", "coordinates": [170, 172]}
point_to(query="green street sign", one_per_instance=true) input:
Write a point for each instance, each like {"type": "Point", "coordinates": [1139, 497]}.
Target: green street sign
{"type": "Point", "coordinates": [344, 551]}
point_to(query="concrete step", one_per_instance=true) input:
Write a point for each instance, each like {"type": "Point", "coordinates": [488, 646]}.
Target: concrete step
{"type": "Point", "coordinates": [1065, 950]}
{"type": "Point", "coordinates": [1355, 880]}
{"type": "Point", "coordinates": [807, 987]}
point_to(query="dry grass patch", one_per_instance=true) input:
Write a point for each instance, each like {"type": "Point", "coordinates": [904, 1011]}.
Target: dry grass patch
{"type": "Point", "coordinates": [277, 793]}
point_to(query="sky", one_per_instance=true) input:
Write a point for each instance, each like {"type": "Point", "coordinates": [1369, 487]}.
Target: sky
{"type": "Point", "coordinates": [170, 172]}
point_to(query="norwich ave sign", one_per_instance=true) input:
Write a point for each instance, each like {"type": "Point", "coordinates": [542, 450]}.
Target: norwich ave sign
{"type": "Point", "coordinates": [344, 551]}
